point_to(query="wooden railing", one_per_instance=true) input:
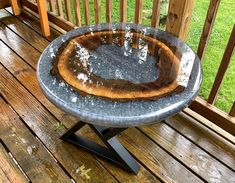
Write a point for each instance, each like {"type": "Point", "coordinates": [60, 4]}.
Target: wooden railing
{"type": "Point", "coordinates": [61, 13]}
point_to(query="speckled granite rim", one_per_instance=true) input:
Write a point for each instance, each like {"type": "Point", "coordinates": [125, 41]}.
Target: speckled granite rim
{"type": "Point", "coordinates": [102, 112]}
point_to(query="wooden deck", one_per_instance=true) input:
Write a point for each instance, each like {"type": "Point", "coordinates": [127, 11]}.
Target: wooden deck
{"type": "Point", "coordinates": [179, 149]}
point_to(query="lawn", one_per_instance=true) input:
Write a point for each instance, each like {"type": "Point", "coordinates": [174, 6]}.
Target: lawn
{"type": "Point", "coordinates": [217, 43]}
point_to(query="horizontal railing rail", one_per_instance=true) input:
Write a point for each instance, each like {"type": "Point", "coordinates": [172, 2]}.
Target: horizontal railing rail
{"type": "Point", "coordinates": [61, 13]}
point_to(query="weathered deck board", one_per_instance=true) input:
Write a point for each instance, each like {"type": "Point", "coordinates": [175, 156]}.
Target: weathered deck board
{"type": "Point", "coordinates": [44, 126]}
{"type": "Point", "coordinates": [27, 76]}
{"type": "Point", "coordinates": [149, 154]}
{"type": "Point", "coordinates": [23, 30]}
{"type": "Point", "coordinates": [4, 177]}
{"type": "Point", "coordinates": [28, 20]}
{"type": "Point", "coordinates": [187, 152]}
{"type": "Point", "coordinates": [10, 171]}
{"type": "Point", "coordinates": [19, 45]}
{"type": "Point", "coordinates": [38, 165]}
{"type": "Point", "coordinates": [221, 149]}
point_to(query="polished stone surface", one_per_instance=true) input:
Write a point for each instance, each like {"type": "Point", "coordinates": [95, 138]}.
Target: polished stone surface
{"type": "Point", "coordinates": [97, 110]}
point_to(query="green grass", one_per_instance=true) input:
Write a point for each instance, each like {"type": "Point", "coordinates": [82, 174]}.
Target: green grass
{"type": "Point", "coordinates": [217, 43]}
{"type": "Point", "coordinates": [220, 34]}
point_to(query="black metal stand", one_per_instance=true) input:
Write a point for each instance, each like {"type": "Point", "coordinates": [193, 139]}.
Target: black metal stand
{"type": "Point", "coordinates": [114, 152]}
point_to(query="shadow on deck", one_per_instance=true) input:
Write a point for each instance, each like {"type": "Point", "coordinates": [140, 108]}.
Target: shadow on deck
{"type": "Point", "coordinates": [179, 149]}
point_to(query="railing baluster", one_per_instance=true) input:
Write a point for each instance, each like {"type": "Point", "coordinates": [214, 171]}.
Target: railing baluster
{"type": "Point", "coordinates": [15, 7]}
{"type": "Point", "coordinates": [86, 11]}
{"type": "Point", "coordinates": [52, 5]}
{"type": "Point", "coordinates": [223, 67]}
{"type": "Point", "coordinates": [68, 10]}
{"type": "Point", "coordinates": [97, 8]}
{"type": "Point", "coordinates": [179, 16]}
{"type": "Point", "coordinates": [138, 11]}
{"type": "Point", "coordinates": [123, 7]}
{"type": "Point", "coordinates": [42, 9]}
{"type": "Point", "coordinates": [77, 13]}
{"type": "Point", "coordinates": [209, 22]}
{"type": "Point", "coordinates": [60, 8]}
{"type": "Point", "coordinates": [156, 13]}
{"type": "Point", "coordinates": [109, 11]}
{"type": "Point", "coordinates": [232, 111]}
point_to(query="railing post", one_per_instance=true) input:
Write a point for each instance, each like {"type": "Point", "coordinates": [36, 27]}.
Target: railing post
{"type": "Point", "coordinates": [223, 67]}
{"type": "Point", "coordinates": [15, 7]}
{"type": "Point", "coordinates": [208, 25]}
{"type": "Point", "coordinates": [42, 9]}
{"type": "Point", "coordinates": [179, 17]}
{"type": "Point", "coordinates": [123, 7]}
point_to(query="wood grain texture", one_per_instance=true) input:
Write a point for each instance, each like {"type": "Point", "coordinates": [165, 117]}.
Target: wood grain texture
{"type": "Point", "coordinates": [39, 120]}
{"type": "Point", "coordinates": [7, 165]}
{"type": "Point", "coordinates": [18, 44]}
{"type": "Point", "coordinates": [109, 11]}
{"type": "Point", "coordinates": [200, 162]}
{"type": "Point", "coordinates": [223, 67]}
{"type": "Point", "coordinates": [4, 4]}
{"type": "Point", "coordinates": [156, 13]}
{"type": "Point", "coordinates": [97, 9]}
{"type": "Point", "coordinates": [42, 9]}
{"type": "Point", "coordinates": [218, 117]}
{"type": "Point", "coordinates": [207, 28]}
{"type": "Point", "coordinates": [25, 32]}
{"type": "Point", "coordinates": [210, 125]}
{"type": "Point", "coordinates": [86, 12]}
{"type": "Point", "coordinates": [179, 17]}
{"type": "Point", "coordinates": [122, 176]}
{"type": "Point", "coordinates": [77, 12]}
{"type": "Point", "coordinates": [59, 21]}
{"type": "Point", "coordinates": [157, 160]}
{"type": "Point", "coordinates": [27, 76]}
{"type": "Point", "coordinates": [34, 159]}
{"type": "Point", "coordinates": [15, 7]}
{"type": "Point", "coordinates": [138, 11]}
{"type": "Point", "coordinates": [33, 22]}
{"type": "Point", "coordinates": [123, 9]}
{"type": "Point", "coordinates": [3, 177]}
{"type": "Point", "coordinates": [205, 138]}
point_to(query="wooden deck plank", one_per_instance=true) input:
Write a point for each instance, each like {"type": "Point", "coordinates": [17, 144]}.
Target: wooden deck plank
{"type": "Point", "coordinates": [23, 30]}
{"type": "Point", "coordinates": [27, 76]}
{"type": "Point", "coordinates": [189, 154]}
{"type": "Point", "coordinates": [152, 156]}
{"type": "Point", "coordinates": [8, 167]}
{"type": "Point", "coordinates": [3, 177]}
{"type": "Point", "coordinates": [33, 22]}
{"type": "Point", "coordinates": [122, 176]}
{"type": "Point", "coordinates": [19, 45]}
{"type": "Point", "coordinates": [44, 126]}
{"type": "Point", "coordinates": [205, 138]}
{"type": "Point", "coordinates": [34, 159]}
{"type": "Point", "coordinates": [155, 158]}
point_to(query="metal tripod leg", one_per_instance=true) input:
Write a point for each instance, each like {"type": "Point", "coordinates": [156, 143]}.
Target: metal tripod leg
{"type": "Point", "coordinates": [114, 152]}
